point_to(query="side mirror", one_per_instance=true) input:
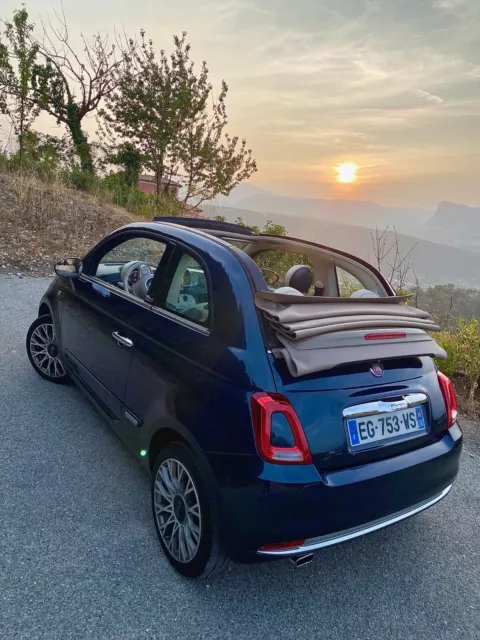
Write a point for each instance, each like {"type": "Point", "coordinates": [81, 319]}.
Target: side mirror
{"type": "Point", "coordinates": [69, 268]}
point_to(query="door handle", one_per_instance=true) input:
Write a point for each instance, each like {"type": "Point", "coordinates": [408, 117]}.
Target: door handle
{"type": "Point", "coordinates": [122, 341]}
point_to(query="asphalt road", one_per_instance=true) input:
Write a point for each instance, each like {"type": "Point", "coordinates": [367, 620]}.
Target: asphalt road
{"type": "Point", "coordinates": [79, 556]}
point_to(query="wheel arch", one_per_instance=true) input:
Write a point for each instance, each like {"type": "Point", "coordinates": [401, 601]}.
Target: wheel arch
{"type": "Point", "coordinates": [173, 432]}
{"type": "Point", "coordinates": [161, 439]}
{"type": "Point", "coordinates": [44, 309]}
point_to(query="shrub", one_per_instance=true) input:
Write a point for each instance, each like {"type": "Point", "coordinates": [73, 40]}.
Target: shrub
{"type": "Point", "coordinates": [78, 179]}
{"type": "Point", "coordinates": [462, 345]}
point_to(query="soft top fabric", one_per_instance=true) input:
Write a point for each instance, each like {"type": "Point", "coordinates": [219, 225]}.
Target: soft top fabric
{"type": "Point", "coordinates": [298, 330]}
{"type": "Point", "coordinates": [279, 298]}
{"type": "Point", "coordinates": [296, 311]}
{"type": "Point", "coordinates": [303, 359]}
{"type": "Point", "coordinates": [329, 332]}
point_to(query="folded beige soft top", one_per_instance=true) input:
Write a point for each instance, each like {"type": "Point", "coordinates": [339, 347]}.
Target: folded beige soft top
{"type": "Point", "coordinates": [328, 332]}
{"type": "Point", "coordinates": [320, 353]}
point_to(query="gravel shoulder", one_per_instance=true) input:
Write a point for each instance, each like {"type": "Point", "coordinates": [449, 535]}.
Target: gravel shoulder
{"type": "Point", "coordinates": [79, 556]}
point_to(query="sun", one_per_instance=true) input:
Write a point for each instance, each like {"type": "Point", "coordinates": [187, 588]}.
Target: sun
{"type": "Point", "coordinates": [347, 172]}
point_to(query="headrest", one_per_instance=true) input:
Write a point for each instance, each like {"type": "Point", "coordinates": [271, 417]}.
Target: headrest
{"type": "Point", "coordinates": [299, 277]}
{"type": "Point", "coordinates": [319, 287]}
{"type": "Point", "coordinates": [364, 293]}
{"type": "Point", "coordinates": [288, 291]}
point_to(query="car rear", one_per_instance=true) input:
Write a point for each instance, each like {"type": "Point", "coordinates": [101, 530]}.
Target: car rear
{"type": "Point", "coordinates": [348, 451]}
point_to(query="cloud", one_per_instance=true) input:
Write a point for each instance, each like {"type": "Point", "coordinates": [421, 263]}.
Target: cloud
{"type": "Point", "coordinates": [429, 97]}
{"type": "Point", "coordinates": [448, 5]}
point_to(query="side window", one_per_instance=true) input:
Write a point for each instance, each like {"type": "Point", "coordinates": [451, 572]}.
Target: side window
{"type": "Point", "coordinates": [347, 284]}
{"type": "Point", "coordinates": [188, 294]}
{"type": "Point", "coordinates": [130, 262]}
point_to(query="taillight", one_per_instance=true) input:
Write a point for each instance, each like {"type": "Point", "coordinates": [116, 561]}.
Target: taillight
{"type": "Point", "coordinates": [282, 546]}
{"type": "Point", "coordinates": [276, 424]}
{"type": "Point", "coordinates": [450, 397]}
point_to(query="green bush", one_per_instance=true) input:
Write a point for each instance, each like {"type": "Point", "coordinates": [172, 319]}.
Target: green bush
{"type": "Point", "coordinates": [462, 345]}
{"type": "Point", "coordinates": [80, 180]}
{"type": "Point", "coordinates": [42, 156]}
{"type": "Point", "coordinates": [138, 202]}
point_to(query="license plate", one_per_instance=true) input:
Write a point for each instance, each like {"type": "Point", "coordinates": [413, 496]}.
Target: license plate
{"type": "Point", "coordinates": [367, 429]}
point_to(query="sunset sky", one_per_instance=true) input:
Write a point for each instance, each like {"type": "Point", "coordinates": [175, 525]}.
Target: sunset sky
{"type": "Point", "coordinates": [390, 85]}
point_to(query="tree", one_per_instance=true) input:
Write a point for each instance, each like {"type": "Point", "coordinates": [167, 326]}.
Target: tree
{"type": "Point", "coordinates": [389, 260]}
{"type": "Point", "coordinates": [17, 61]}
{"type": "Point", "coordinates": [167, 112]}
{"type": "Point", "coordinates": [127, 157]}
{"type": "Point", "coordinates": [69, 87]}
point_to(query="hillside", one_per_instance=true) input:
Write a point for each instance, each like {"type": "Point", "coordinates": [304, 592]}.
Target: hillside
{"type": "Point", "coordinates": [355, 212]}
{"type": "Point", "coordinates": [42, 222]}
{"type": "Point", "coordinates": [433, 263]}
{"type": "Point", "coordinates": [450, 223]}
{"type": "Point", "coordinates": [454, 224]}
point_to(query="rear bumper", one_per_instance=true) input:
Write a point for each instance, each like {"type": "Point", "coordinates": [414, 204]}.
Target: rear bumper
{"type": "Point", "coordinates": [273, 504]}
{"type": "Point", "coordinates": [314, 544]}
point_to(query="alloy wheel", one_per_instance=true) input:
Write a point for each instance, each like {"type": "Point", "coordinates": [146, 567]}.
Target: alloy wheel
{"type": "Point", "coordinates": [44, 351]}
{"type": "Point", "coordinates": [177, 510]}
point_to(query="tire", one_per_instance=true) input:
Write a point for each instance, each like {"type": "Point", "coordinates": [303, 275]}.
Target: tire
{"type": "Point", "coordinates": [43, 352]}
{"type": "Point", "coordinates": [203, 555]}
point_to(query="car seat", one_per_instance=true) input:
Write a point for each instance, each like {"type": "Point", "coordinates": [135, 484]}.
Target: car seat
{"type": "Point", "coordinates": [299, 277]}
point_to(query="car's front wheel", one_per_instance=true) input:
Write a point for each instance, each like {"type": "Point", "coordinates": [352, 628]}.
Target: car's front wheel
{"type": "Point", "coordinates": [43, 352]}
{"type": "Point", "coordinates": [184, 514]}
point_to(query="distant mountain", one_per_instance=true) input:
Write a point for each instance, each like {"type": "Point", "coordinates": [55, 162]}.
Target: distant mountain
{"type": "Point", "coordinates": [433, 263]}
{"type": "Point", "coordinates": [242, 192]}
{"type": "Point", "coordinates": [454, 224]}
{"type": "Point", "coordinates": [356, 212]}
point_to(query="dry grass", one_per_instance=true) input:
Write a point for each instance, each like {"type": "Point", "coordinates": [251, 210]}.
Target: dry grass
{"type": "Point", "coordinates": [41, 222]}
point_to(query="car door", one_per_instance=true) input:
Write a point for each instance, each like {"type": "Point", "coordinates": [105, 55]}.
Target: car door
{"type": "Point", "coordinates": [101, 321]}
{"type": "Point", "coordinates": [191, 363]}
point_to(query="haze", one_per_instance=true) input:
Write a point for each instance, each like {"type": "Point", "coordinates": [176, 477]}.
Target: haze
{"type": "Point", "coordinates": [390, 85]}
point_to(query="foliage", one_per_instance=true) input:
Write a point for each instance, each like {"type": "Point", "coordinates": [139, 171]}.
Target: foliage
{"type": "Point", "coordinates": [462, 345]}
{"type": "Point", "coordinates": [17, 61]}
{"type": "Point", "coordinates": [347, 284]}
{"type": "Point", "coordinates": [127, 157]}
{"type": "Point", "coordinates": [41, 155]}
{"type": "Point", "coordinates": [69, 87]}
{"type": "Point", "coordinates": [447, 303]}
{"type": "Point", "coordinates": [113, 189]}
{"type": "Point", "coordinates": [147, 205]}
{"type": "Point", "coordinates": [278, 261]}
{"type": "Point", "coordinates": [76, 178]}
{"type": "Point", "coordinates": [166, 111]}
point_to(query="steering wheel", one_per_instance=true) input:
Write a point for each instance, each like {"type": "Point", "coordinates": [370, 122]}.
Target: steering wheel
{"type": "Point", "coordinates": [127, 270]}
{"type": "Point", "coordinates": [270, 276]}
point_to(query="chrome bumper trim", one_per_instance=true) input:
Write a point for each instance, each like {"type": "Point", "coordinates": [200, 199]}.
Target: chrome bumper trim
{"type": "Point", "coordinates": [384, 406]}
{"type": "Point", "coordinates": [313, 544]}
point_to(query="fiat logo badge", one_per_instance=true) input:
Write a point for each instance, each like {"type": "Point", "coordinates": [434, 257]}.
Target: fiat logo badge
{"type": "Point", "coordinates": [376, 369]}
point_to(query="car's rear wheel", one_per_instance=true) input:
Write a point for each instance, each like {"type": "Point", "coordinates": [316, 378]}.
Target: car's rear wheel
{"type": "Point", "coordinates": [184, 514]}
{"type": "Point", "coordinates": [43, 352]}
